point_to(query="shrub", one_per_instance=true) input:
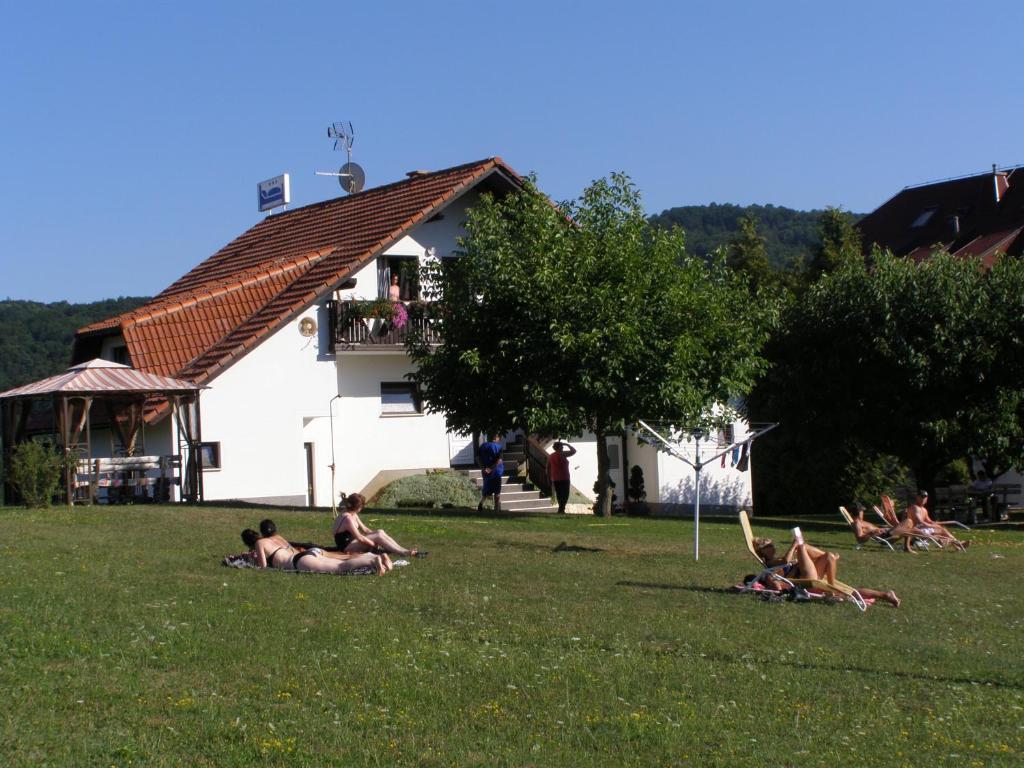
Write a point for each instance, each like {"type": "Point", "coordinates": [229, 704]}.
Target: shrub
{"type": "Point", "coordinates": [37, 472]}
{"type": "Point", "coordinates": [636, 490]}
{"type": "Point", "coordinates": [444, 488]}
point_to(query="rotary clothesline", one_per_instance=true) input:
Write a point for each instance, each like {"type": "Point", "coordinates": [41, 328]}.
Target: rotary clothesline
{"type": "Point", "coordinates": [675, 447]}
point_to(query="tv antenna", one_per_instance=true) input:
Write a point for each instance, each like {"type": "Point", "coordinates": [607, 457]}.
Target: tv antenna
{"type": "Point", "coordinates": [351, 176]}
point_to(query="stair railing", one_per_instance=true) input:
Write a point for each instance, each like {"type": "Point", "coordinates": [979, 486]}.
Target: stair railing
{"type": "Point", "coordinates": [537, 465]}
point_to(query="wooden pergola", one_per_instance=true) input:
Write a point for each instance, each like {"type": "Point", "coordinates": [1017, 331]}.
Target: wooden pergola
{"type": "Point", "coordinates": [126, 393]}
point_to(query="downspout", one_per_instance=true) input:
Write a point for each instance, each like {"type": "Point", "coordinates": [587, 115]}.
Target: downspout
{"type": "Point", "coordinates": [334, 490]}
{"type": "Point", "coordinates": [625, 467]}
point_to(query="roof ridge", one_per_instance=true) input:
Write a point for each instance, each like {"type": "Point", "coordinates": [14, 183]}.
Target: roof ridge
{"type": "Point", "coordinates": [1008, 169]}
{"type": "Point", "coordinates": [496, 159]}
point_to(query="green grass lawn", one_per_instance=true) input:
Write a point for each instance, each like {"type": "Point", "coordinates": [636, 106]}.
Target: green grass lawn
{"type": "Point", "coordinates": [123, 641]}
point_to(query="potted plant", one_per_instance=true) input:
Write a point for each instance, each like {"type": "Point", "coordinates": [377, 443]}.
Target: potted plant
{"type": "Point", "coordinates": [636, 492]}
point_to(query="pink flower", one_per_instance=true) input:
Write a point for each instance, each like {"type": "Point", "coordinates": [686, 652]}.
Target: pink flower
{"type": "Point", "coordinates": [401, 316]}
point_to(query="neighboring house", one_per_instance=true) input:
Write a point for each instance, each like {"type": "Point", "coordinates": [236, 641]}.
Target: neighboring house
{"type": "Point", "coordinates": [297, 375]}
{"type": "Point", "coordinates": [978, 216]}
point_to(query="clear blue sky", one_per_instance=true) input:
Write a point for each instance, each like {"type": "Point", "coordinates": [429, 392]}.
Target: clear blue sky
{"type": "Point", "coordinates": [133, 133]}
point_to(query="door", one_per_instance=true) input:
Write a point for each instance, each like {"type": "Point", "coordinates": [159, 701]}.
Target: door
{"type": "Point", "coordinates": [460, 450]}
{"type": "Point", "coordinates": [310, 478]}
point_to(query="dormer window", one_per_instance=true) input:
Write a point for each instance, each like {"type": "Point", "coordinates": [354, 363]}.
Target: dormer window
{"type": "Point", "coordinates": [924, 217]}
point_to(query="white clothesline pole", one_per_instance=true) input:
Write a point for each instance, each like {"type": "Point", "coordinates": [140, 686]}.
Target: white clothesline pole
{"type": "Point", "coordinates": [697, 465]}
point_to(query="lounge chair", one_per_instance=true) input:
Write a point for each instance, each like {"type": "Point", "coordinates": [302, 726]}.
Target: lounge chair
{"type": "Point", "coordinates": [836, 588]}
{"type": "Point", "coordinates": [849, 521]}
{"type": "Point", "coordinates": [889, 511]}
{"type": "Point", "coordinates": [888, 514]}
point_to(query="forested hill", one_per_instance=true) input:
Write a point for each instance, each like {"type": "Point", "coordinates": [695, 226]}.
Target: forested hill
{"type": "Point", "coordinates": [35, 338]}
{"type": "Point", "coordinates": [790, 235]}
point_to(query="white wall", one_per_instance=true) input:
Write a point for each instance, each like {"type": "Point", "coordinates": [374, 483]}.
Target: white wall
{"type": "Point", "coordinates": [673, 485]}
{"type": "Point", "coordinates": [668, 481]}
{"type": "Point", "coordinates": [367, 441]}
{"type": "Point", "coordinates": [255, 410]}
{"type": "Point", "coordinates": [583, 466]}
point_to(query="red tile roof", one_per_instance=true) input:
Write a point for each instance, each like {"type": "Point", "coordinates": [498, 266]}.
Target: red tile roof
{"type": "Point", "coordinates": [966, 219]}
{"type": "Point", "coordinates": [229, 303]}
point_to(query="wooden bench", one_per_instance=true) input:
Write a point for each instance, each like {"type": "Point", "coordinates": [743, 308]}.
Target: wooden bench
{"type": "Point", "coordinates": [951, 502]}
{"type": "Point", "coordinates": [126, 479]}
{"type": "Point", "coordinates": [1003, 491]}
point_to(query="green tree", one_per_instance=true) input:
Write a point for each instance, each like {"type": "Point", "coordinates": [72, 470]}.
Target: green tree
{"type": "Point", "coordinates": [921, 362]}
{"type": "Point", "coordinates": [839, 243]}
{"type": "Point", "coordinates": [746, 253]}
{"type": "Point", "coordinates": [583, 317]}
{"type": "Point", "coordinates": [35, 338]}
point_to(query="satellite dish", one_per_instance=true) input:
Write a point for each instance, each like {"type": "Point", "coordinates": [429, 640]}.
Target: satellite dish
{"type": "Point", "coordinates": [307, 326]}
{"type": "Point", "coordinates": [351, 177]}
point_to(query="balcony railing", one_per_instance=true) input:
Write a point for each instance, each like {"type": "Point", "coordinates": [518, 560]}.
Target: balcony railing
{"type": "Point", "coordinates": [380, 324]}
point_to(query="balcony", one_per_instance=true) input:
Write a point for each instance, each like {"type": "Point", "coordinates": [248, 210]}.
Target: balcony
{"type": "Point", "coordinates": [380, 325]}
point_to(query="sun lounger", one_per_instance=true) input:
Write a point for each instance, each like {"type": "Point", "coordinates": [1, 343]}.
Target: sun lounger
{"type": "Point", "coordinates": [849, 521]}
{"type": "Point", "coordinates": [835, 588]}
{"type": "Point", "coordinates": [888, 515]}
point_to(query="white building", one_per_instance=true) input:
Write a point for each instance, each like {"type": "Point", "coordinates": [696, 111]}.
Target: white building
{"type": "Point", "coordinates": [265, 324]}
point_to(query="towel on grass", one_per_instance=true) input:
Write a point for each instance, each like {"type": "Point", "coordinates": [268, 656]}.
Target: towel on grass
{"type": "Point", "coordinates": [248, 560]}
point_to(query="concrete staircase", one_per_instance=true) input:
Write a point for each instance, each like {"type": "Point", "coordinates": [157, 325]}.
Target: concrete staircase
{"type": "Point", "coordinates": [517, 493]}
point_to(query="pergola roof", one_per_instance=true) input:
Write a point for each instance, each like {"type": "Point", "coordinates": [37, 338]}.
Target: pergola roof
{"type": "Point", "coordinates": [102, 377]}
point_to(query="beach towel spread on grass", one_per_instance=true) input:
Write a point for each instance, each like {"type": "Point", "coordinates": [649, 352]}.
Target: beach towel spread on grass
{"type": "Point", "coordinates": [248, 560]}
{"type": "Point", "coordinates": [795, 594]}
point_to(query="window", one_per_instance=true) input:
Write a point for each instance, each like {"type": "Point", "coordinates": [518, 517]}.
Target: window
{"type": "Point", "coordinates": [399, 398]}
{"type": "Point", "coordinates": [209, 455]}
{"type": "Point", "coordinates": [924, 217]}
{"type": "Point", "coordinates": [408, 271]}
{"type": "Point", "coordinates": [613, 456]}
{"type": "Point", "coordinates": [119, 354]}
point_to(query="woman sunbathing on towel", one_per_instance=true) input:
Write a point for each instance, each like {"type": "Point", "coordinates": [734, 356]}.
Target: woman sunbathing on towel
{"type": "Point", "coordinates": [351, 535]}
{"type": "Point", "coordinates": [275, 552]}
{"type": "Point", "coordinates": [802, 561]}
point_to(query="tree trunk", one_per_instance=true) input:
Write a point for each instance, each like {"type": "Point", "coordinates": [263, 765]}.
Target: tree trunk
{"type": "Point", "coordinates": [603, 504]}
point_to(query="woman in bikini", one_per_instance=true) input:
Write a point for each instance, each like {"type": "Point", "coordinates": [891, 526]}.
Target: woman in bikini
{"type": "Point", "coordinates": [275, 552]}
{"type": "Point", "coordinates": [351, 535]}
{"type": "Point", "coordinates": [802, 561]}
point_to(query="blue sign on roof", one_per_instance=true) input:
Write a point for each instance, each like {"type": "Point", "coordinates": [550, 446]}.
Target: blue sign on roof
{"type": "Point", "coordinates": [273, 193]}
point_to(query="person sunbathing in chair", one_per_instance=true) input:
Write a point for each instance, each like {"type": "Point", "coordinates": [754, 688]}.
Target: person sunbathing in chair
{"type": "Point", "coordinates": [803, 561]}
{"type": "Point", "coordinates": [865, 531]}
{"type": "Point", "coordinates": [917, 520]}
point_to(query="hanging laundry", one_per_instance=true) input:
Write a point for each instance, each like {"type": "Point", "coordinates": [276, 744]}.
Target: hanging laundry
{"type": "Point", "coordinates": [744, 460]}
{"type": "Point", "coordinates": [735, 455]}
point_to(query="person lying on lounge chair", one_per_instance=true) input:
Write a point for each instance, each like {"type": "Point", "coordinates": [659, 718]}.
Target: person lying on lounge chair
{"type": "Point", "coordinates": [917, 520]}
{"type": "Point", "coordinates": [275, 552]}
{"type": "Point", "coordinates": [803, 561]}
{"type": "Point", "coordinates": [865, 531]}
{"type": "Point", "coordinates": [351, 535]}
